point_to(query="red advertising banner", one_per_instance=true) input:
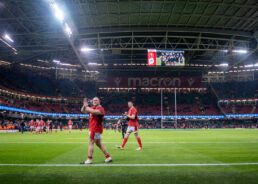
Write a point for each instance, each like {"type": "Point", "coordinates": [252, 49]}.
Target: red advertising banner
{"type": "Point", "coordinates": [154, 82]}
{"type": "Point", "coordinates": [152, 57]}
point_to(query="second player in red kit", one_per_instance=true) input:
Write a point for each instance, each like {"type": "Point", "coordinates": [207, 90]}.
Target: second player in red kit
{"type": "Point", "coordinates": [70, 125]}
{"type": "Point", "coordinates": [133, 126]}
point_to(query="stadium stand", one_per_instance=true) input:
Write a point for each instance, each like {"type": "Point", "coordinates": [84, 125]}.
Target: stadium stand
{"type": "Point", "coordinates": [44, 84]}
{"type": "Point", "coordinates": [116, 103]}
{"type": "Point", "coordinates": [236, 90]}
{"type": "Point", "coordinates": [188, 102]}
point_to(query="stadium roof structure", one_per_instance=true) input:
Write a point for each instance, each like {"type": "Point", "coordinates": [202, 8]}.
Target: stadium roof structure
{"type": "Point", "coordinates": [121, 31]}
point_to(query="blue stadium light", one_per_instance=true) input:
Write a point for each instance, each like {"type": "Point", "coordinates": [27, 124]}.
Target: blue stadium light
{"type": "Point", "coordinates": [86, 115]}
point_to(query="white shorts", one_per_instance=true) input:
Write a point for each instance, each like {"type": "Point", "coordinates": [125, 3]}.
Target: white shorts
{"type": "Point", "coordinates": [38, 128]}
{"type": "Point", "coordinates": [97, 135]}
{"type": "Point", "coordinates": [131, 129]}
{"type": "Point", "coordinates": [42, 127]}
{"type": "Point", "coordinates": [70, 126]}
{"type": "Point", "coordinates": [31, 127]}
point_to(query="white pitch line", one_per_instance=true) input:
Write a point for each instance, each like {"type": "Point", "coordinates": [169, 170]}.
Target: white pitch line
{"type": "Point", "coordinates": [127, 165]}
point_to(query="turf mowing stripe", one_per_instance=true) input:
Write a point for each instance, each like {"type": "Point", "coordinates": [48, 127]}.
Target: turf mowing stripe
{"type": "Point", "coordinates": [86, 141]}
{"type": "Point", "coordinates": [126, 165]}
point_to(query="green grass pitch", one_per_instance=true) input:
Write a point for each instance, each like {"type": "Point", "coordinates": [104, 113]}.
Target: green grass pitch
{"type": "Point", "coordinates": [159, 147]}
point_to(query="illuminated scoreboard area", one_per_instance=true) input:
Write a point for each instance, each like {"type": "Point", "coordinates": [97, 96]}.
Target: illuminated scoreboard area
{"type": "Point", "coordinates": [165, 58]}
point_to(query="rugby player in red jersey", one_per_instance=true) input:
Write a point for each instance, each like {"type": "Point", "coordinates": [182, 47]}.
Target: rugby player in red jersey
{"type": "Point", "coordinates": [32, 126]}
{"type": "Point", "coordinates": [132, 127]}
{"type": "Point", "coordinates": [42, 124]}
{"type": "Point", "coordinates": [38, 125]}
{"type": "Point", "coordinates": [47, 125]}
{"type": "Point", "coordinates": [70, 126]}
{"type": "Point", "coordinates": [96, 119]}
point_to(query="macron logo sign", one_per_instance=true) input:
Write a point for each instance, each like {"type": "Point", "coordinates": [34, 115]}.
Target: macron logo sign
{"type": "Point", "coordinates": [154, 82]}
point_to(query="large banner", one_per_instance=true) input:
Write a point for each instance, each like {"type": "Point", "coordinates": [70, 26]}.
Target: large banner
{"type": "Point", "coordinates": [154, 82]}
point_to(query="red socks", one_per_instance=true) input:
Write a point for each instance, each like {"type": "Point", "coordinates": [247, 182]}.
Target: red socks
{"type": "Point", "coordinates": [124, 142]}
{"type": "Point", "coordinates": [138, 139]}
{"type": "Point", "coordinates": [139, 142]}
{"type": "Point", "coordinates": [107, 155]}
{"type": "Point", "coordinates": [89, 157]}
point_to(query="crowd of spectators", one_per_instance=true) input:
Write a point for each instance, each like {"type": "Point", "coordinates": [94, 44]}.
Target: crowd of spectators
{"type": "Point", "coordinates": [10, 123]}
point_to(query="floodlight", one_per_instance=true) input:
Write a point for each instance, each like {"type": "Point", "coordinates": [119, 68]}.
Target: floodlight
{"type": "Point", "coordinates": [224, 64]}
{"type": "Point", "coordinates": [86, 49]}
{"type": "Point", "coordinates": [240, 51]}
{"type": "Point", "coordinates": [68, 30]}
{"type": "Point", "coordinates": [8, 38]}
{"type": "Point", "coordinates": [59, 14]}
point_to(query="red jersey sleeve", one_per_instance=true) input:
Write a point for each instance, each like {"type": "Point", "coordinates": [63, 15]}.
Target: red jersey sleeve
{"type": "Point", "coordinates": [133, 111]}
{"type": "Point", "coordinates": [101, 109]}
